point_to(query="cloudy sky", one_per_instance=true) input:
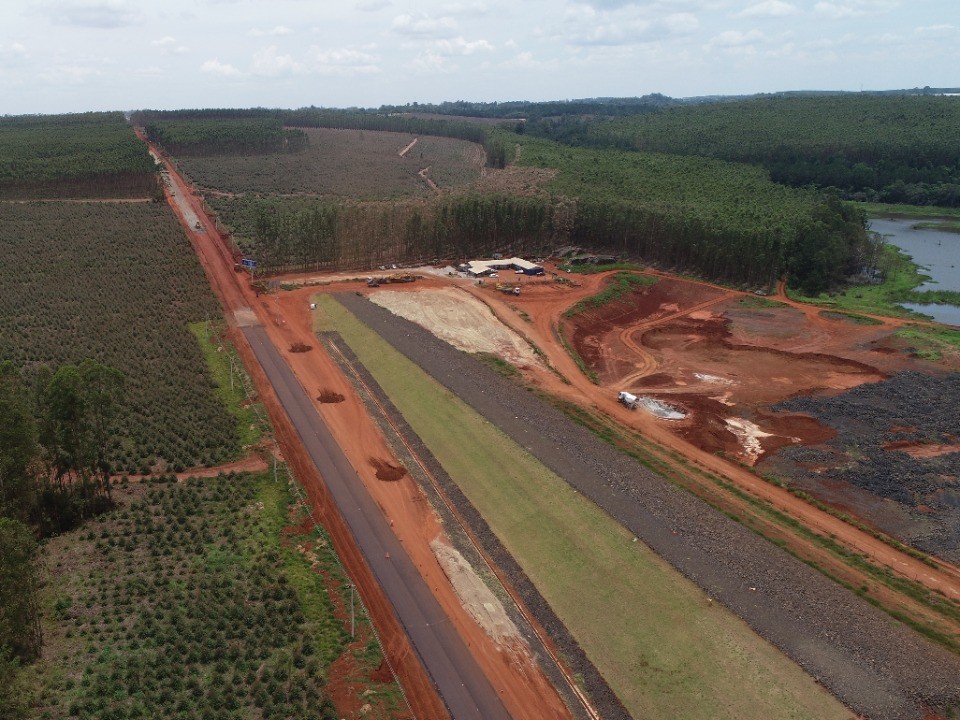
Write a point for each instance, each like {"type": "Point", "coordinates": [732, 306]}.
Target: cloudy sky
{"type": "Point", "coordinates": [75, 55]}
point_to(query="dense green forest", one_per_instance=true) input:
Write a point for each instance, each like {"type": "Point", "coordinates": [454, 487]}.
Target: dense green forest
{"type": "Point", "coordinates": [91, 155]}
{"type": "Point", "coordinates": [886, 148]}
{"type": "Point", "coordinates": [722, 220]}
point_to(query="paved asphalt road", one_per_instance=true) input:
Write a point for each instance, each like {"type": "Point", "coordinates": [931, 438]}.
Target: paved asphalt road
{"type": "Point", "coordinates": [462, 685]}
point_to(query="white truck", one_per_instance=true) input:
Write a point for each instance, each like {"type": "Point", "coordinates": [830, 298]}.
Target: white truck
{"type": "Point", "coordinates": [629, 400]}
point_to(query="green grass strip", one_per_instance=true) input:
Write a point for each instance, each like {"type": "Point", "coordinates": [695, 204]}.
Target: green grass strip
{"type": "Point", "coordinates": [218, 357]}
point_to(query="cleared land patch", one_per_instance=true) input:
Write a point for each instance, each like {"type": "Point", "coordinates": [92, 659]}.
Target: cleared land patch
{"type": "Point", "coordinates": [344, 164]}
{"type": "Point", "coordinates": [656, 638]}
{"type": "Point", "coordinates": [460, 319]}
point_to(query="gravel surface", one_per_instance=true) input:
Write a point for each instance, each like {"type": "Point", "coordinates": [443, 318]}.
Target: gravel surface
{"type": "Point", "coordinates": [878, 667]}
{"type": "Point", "coordinates": [909, 407]}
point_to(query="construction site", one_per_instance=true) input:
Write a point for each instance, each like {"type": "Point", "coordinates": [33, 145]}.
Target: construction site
{"type": "Point", "coordinates": [661, 410]}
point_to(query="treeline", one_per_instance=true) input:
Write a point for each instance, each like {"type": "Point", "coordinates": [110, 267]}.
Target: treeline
{"type": "Point", "coordinates": [314, 117]}
{"type": "Point", "coordinates": [93, 155]}
{"type": "Point", "coordinates": [316, 235]}
{"type": "Point", "coordinates": [57, 434]}
{"type": "Point", "coordinates": [225, 137]}
{"type": "Point", "coordinates": [54, 472]}
{"type": "Point", "coordinates": [722, 221]}
{"type": "Point", "coordinates": [530, 111]}
{"type": "Point", "coordinates": [881, 148]}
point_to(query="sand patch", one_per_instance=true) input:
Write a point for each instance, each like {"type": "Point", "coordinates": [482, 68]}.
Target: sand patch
{"type": "Point", "coordinates": [476, 597]}
{"type": "Point", "coordinates": [459, 319]}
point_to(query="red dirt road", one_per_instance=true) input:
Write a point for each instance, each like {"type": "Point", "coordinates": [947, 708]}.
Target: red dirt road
{"type": "Point", "coordinates": [523, 688]}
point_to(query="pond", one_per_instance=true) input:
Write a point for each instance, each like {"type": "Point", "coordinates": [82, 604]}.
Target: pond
{"type": "Point", "coordinates": [938, 255]}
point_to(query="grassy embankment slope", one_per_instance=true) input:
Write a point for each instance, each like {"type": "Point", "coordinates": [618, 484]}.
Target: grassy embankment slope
{"type": "Point", "coordinates": [665, 649]}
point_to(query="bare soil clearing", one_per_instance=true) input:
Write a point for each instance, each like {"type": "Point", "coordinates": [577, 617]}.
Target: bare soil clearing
{"type": "Point", "coordinates": [460, 319]}
{"type": "Point", "coordinates": [539, 311]}
{"type": "Point", "coordinates": [342, 163]}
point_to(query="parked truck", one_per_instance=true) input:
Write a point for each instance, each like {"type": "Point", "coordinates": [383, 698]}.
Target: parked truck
{"type": "Point", "coordinates": [508, 289]}
{"type": "Point", "coordinates": [628, 400]}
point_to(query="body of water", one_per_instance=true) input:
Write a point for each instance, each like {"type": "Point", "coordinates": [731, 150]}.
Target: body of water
{"type": "Point", "coordinates": [938, 255]}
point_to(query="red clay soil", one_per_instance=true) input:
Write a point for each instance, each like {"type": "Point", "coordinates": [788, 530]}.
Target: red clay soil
{"type": "Point", "coordinates": [524, 689]}
{"type": "Point", "coordinates": [251, 462]}
{"type": "Point", "coordinates": [329, 396]}
{"type": "Point", "coordinates": [386, 471]}
{"type": "Point", "coordinates": [544, 304]}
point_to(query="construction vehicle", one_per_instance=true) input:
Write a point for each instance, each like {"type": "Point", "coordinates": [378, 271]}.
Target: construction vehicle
{"type": "Point", "coordinates": [508, 289]}
{"type": "Point", "coordinates": [628, 400]}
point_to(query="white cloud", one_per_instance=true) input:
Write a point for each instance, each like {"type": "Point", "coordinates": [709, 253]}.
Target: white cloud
{"type": "Point", "coordinates": [681, 23]}
{"type": "Point", "coordinates": [168, 45]}
{"type": "Point", "coordinates": [277, 31]}
{"type": "Point", "coordinates": [424, 26]}
{"type": "Point", "coordinates": [938, 31]}
{"type": "Point", "coordinates": [769, 8]}
{"type": "Point", "coordinates": [737, 43]}
{"type": "Point", "coordinates": [93, 13]}
{"type": "Point", "coordinates": [269, 62]}
{"type": "Point", "coordinates": [215, 67]}
{"type": "Point", "coordinates": [842, 9]}
{"type": "Point", "coordinates": [372, 5]}
{"type": "Point", "coordinates": [13, 51]}
{"type": "Point", "coordinates": [68, 74]}
{"type": "Point", "coordinates": [432, 62]}
{"type": "Point", "coordinates": [459, 46]}
{"type": "Point", "coordinates": [341, 61]}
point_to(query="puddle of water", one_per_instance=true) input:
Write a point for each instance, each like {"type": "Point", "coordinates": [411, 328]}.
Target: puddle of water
{"type": "Point", "coordinates": [660, 409]}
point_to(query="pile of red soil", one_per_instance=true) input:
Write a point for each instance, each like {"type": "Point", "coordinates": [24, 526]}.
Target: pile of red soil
{"type": "Point", "coordinates": [386, 471]}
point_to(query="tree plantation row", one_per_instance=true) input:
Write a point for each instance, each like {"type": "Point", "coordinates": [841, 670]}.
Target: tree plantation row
{"type": "Point", "coordinates": [721, 220]}
{"type": "Point", "coordinates": [224, 130]}
{"type": "Point", "coordinates": [93, 155]}
{"type": "Point", "coordinates": [117, 283]}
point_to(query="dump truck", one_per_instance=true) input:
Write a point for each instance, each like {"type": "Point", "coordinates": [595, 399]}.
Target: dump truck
{"type": "Point", "coordinates": [628, 400]}
{"type": "Point", "coordinates": [508, 289]}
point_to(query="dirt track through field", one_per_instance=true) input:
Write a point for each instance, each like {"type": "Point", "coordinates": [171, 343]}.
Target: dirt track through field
{"type": "Point", "coordinates": [881, 669]}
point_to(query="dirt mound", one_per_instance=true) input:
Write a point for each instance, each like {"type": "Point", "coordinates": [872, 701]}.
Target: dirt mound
{"type": "Point", "coordinates": [386, 471]}
{"type": "Point", "coordinates": [329, 396]}
{"type": "Point", "coordinates": [299, 347]}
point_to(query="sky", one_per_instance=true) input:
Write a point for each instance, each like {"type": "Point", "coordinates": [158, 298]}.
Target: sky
{"type": "Point", "coordinates": [78, 55]}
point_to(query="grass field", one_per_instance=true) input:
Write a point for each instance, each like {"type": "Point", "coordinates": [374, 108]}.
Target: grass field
{"type": "Point", "coordinates": [664, 648]}
{"type": "Point", "coordinates": [354, 164]}
{"type": "Point", "coordinates": [232, 382]}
